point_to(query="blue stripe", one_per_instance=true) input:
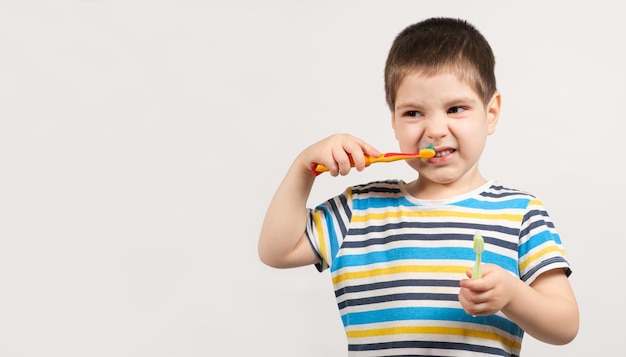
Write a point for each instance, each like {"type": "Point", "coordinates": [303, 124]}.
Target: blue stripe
{"type": "Point", "coordinates": [515, 203]}
{"type": "Point", "coordinates": [537, 240]}
{"type": "Point", "coordinates": [332, 214]}
{"type": "Point", "coordinates": [428, 313]}
{"type": "Point", "coordinates": [448, 253]}
{"type": "Point", "coordinates": [332, 235]}
{"type": "Point", "coordinates": [385, 202]}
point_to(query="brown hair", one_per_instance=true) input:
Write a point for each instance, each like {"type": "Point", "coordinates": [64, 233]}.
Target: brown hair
{"type": "Point", "coordinates": [441, 44]}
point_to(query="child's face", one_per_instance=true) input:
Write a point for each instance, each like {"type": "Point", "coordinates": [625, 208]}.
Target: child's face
{"type": "Point", "coordinates": [445, 112]}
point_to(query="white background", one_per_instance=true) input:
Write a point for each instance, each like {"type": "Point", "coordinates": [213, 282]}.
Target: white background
{"type": "Point", "coordinates": [141, 141]}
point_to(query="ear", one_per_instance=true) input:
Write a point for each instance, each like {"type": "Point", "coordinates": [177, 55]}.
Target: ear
{"type": "Point", "coordinates": [493, 112]}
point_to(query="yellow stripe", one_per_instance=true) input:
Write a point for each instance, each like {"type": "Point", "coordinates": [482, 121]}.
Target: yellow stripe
{"type": "Point", "coordinates": [544, 251]}
{"type": "Point", "coordinates": [321, 237]}
{"type": "Point", "coordinates": [320, 231]}
{"type": "Point", "coordinates": [434, 330]}
{"type": "Point", "coordinates": [386, 215]}
{"type": "Point", "coordinates": [399, 270]}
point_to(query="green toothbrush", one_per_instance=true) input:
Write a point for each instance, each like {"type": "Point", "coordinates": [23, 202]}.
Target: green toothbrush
{"type": "Point", "coordinates": [479, 248]}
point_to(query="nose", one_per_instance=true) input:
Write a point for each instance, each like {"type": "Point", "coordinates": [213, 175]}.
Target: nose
{"type": "Point", "coordinates": [436, 128]}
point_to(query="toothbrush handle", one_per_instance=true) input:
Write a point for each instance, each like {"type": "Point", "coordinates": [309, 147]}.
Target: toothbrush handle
{"type": "Point", "coordinates": [424, 153]}
{"type": "Point", "coordinates": [317, 169]}
{"type": "Point", "coordinates": [477, 272]}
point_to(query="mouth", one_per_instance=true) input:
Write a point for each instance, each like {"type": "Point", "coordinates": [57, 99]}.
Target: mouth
{"type": "Point", "coordinates": [445, 152]}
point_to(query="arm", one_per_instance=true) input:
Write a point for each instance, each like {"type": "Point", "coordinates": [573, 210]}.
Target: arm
{"type": "Point", "coordinates": [283, 242]}
{"type": "Point", "coordinates": [546, 309]}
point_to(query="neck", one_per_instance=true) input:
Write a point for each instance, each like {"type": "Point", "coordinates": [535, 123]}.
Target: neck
{"type": "Point", "coordinates": [425, 189]}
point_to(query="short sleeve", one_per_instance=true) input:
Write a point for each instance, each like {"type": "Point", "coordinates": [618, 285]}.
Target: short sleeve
{"type": "Point", "coordinates": [540, 246]}
{"type": "Point", "coordinates": [326, 227]}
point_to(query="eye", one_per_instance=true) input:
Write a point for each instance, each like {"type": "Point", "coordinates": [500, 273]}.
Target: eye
{"type": "Point", "coordinates": [412, 113]}
{"type": "Point", "coordinates": [455, 110]}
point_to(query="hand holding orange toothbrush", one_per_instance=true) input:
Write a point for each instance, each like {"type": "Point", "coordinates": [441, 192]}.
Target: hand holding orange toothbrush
{"type": "Point", "coordinates": [424, 153]}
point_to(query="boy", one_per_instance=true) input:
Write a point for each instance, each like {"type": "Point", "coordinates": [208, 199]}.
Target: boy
{"type": "Point", "coordinates": [400, 254]}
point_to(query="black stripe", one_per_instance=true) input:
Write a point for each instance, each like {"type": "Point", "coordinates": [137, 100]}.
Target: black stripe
{"type": "Point", "coordinates": [429, 344]}
{"type": "Point", "coordinates": [536, 214]}
{"type": "Point", "coordinates": [429, 236]}
{"type": "Point", "coordinates": [419, 224]}
{"type": "Point", "coordinates": [337, 215]}
{"type": "Point", "coordinates": [386, 187]}
{"type": "Point", "coordinates": [544, 263]}
{"type": "Point", "coordinates": [504, 194]}
{"type": "Point", "coordinates": [397, 297]}
{"type": "Point", "coordinates": [396, 284]}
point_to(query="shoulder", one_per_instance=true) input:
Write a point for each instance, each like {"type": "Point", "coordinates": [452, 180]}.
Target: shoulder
{"type": "Point", "coordinates": [507, 196]}
{"type": "Point", "coordinates": [498, 190]}
{"type": "Point", "coordinates": [382, 187]}
{"type": "Point", "coordinates": [378, 194]}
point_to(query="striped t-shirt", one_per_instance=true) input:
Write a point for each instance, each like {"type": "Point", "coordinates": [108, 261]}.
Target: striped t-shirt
{"type": "Point", "coordinates": [396, 262]}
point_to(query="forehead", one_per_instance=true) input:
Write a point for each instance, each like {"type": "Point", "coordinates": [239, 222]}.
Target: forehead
{"type": "Point", "coordinates": [463, 74]}
{"type": "Point", "coordinates": [442, 78]}
{"type": "Point", "coordinates": [429, 91]}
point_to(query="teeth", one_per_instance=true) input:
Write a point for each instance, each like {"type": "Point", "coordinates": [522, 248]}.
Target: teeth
{"type": "Point", "coordinates": [443, 153]}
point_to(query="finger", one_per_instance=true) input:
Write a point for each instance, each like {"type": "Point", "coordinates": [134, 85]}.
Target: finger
{"type": "Point", "coordinates": [354, 148]}
{"type": "Point", "coordinates": [476, 286]}
{"type": "Point", "coordinates": [369, 149]}
{"type": "Point", "coordinates": [349, 154]}
{"type": "Point", "coordinates": [360, 155]}
{"type": "Point", "coordinates": [342, 160]}
{"type": "Point", "coordinates": [469, 305]}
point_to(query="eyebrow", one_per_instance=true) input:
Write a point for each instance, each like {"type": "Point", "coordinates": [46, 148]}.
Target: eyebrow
{"type": "Point", "coordinates": [404, 105]}
{"type": "Point", "coordinates": [450, 102]}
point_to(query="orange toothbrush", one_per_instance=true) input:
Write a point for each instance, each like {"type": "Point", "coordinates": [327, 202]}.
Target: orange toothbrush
{"type": "Point", "coordinates": [425, 153]}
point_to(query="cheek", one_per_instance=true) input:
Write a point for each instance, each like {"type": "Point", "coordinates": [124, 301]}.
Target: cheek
{"type": "Point", "coordinates": [409, 138]}
{"type": "Point", "coordinates": [469, 129]}
{"type": "Point", "coordinates": [472, 140]}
